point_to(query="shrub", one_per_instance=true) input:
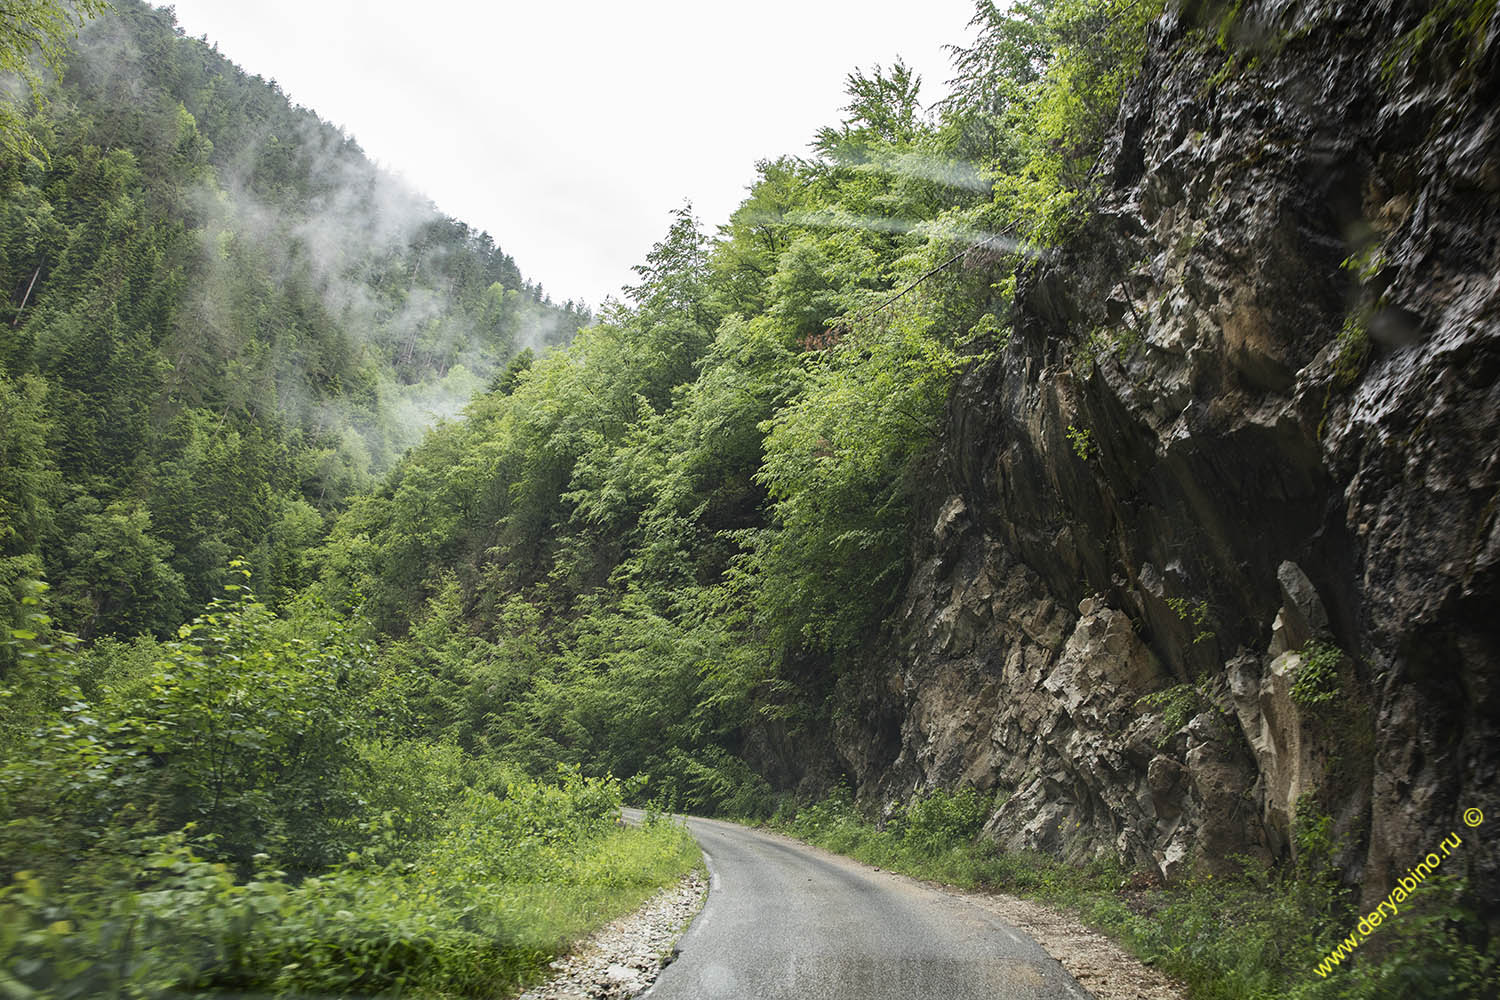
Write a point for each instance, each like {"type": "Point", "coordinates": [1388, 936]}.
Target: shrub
{"type": "Point", "coordinates": [1082, 440]}
{"type": "Point", "coordinates": [1317, 680]}
{"type": "Point", "coordinates": [245, 726]}
{"type": "Point", "coordinates": [945, 820]}
{"type": "Point", "coordinates": [1177, 705]}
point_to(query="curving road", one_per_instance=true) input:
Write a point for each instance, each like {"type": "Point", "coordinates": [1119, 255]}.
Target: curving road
{"type": "Point", "coordinates": [784, 920]}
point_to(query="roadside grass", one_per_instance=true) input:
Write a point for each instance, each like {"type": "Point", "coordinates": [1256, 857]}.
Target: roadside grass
{"type": "Point", "coordinates": [1256, 936]}
{"type": "Point", "coordinates": [477, 910]}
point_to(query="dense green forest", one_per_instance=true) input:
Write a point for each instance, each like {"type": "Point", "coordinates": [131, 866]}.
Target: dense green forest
{"type": "Point", "coordinates": [353, 584]}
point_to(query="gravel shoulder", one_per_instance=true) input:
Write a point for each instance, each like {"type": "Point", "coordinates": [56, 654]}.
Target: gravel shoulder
{"type": "Point", "coordinates": [1102, 967]}
{"type": "Point", "coordinates": [623, 958]}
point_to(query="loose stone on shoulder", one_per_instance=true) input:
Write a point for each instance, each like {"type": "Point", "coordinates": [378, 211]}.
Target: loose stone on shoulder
{"type": "Point", "coordinates": [623, 959]}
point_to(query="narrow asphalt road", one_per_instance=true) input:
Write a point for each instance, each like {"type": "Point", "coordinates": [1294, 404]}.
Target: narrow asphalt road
{"type": "Point", "coordinates": [788, 921]}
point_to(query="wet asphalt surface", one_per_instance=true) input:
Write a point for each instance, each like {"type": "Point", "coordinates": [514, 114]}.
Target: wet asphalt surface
{"type": "Point", "coordinates": [784, 920]}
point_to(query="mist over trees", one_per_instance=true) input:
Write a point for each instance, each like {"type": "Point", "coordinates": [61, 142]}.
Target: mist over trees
{"type": "Point", "coordinates": [222, 321]}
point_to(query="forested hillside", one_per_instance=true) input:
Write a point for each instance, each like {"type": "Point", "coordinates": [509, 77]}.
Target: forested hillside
{"type": "Point", "coordinates": [658, 550]}
{"type": "Point", "coordinates": [1082, 484]}
{"type": "Point", "coordinates": [221, 322]}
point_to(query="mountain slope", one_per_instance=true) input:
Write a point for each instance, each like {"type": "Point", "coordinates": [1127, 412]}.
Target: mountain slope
{"type": "Point", "coordinates": [225, 320]}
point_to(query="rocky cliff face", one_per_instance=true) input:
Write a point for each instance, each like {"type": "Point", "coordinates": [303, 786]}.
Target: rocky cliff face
{"type": "Point", "coordinates": [1220, 550]}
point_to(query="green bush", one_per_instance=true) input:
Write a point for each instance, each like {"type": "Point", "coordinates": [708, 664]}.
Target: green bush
{"type": "Point", "coordinates": [1177, 705]}
{"type": "Point", "coordinates": [934, 835]}
{"type": "Point", "coordinates": [1317, 680]}
{"type": "Point", "coordinates": [945, 820]}
{"type": "Point", "coordinates": [246, 726]}
{"type": "Point", "coordinates": [157, 780]}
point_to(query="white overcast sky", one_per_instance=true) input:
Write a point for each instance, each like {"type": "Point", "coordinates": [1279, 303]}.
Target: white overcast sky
{"type": "Point", "coordinates": [569, 131]}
